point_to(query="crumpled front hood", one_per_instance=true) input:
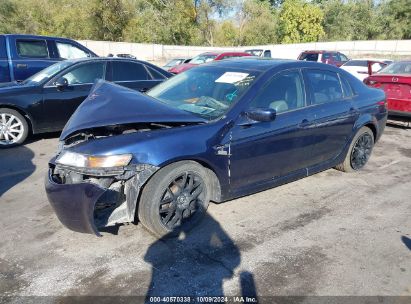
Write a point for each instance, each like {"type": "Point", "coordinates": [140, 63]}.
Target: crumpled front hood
{"type": "Point", "coordinates": [110, 104]}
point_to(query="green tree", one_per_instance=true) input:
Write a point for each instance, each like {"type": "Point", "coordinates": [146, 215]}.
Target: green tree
{"type": "Point", "coordinates": [162, 22]}
{"type": "Point", "coordinates": [397, 21]}
{"type": "Point", "coordinates": [108, 19]}
{"type": "Point", "coordinates": [300, 21]}
{"type": "Point", "coordinates": [353, 20]}
{"type": "Point", "coordinates": [257, 23]}
{"type": "Point", "coordinates": [226, 34]}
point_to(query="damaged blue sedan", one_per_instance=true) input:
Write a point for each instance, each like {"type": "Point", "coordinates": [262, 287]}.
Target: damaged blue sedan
{"type": "Point", "coordinates": [214, 133]}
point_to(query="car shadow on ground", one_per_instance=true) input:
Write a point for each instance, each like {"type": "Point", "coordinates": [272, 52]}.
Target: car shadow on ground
{"type": "Point", "coordinates": [38, 137]}
{"type": "Point", "coordinates": [195, 263]}
{"type": "Point", "coordinates": [15, 166]}
{"type": "Point", "coordinates": [406, 241]}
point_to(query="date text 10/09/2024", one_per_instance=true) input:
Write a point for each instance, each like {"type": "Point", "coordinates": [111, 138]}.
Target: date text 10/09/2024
{"type": "Point", "coordinates": [203, 299]}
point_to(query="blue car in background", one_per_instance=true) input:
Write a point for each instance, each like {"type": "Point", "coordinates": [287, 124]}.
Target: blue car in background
{"type": "Point", "coordinates": [213, 133]}
{"type": "Point", "coordinates": [24, 55]}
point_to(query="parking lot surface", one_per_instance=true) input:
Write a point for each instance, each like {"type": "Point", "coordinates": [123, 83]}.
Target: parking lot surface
{"type": "Point", "coordinates": [329, 234]}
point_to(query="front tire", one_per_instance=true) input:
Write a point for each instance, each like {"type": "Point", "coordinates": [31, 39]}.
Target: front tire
{"type": "Point", "coordinates": [13, 128]}
{"type": "Point", "coordinates": [359, 152]}
{"type": "Point", "coordinates": [175, 199]}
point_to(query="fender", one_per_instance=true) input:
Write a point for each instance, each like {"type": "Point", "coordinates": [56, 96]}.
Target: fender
{"type": "Point", "coordinates": [369, 120]}
{"type": "Point", "coordinates": [30, 120]}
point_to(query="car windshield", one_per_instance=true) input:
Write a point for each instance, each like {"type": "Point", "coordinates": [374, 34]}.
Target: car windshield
{"type": "Point", "coordinates": [173, 62]}
{"type": "Point", "coordinates": [397, 68]}
{"type": "Point", "coordinates": [207, 92]}
{"type": "Point", "coordinates": [254, 52]}
{"type": "Point", "coordinates": [203, 58]}
{"type": "Point", "coordinates": [47, 72]}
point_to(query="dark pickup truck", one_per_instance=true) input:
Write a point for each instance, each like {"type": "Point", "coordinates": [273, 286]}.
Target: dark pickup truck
{"type": "Point", "coordinates": [24, 55]}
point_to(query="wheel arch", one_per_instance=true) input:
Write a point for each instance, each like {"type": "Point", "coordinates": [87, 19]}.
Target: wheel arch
{"type": "Point", "coordinates": [373, 128]}
{"type": "Point", "coordinates": [23, 113]}
{"type": "Point", "coordinates": [216, 180]}
{"type": "Point", "coordinates": [370, 122]}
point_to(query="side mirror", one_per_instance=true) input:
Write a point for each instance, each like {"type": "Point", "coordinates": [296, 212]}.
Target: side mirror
{"type": "Point", "coordinates": [61, 83]}
{"type": "Point", "coordinates": [262, 115]}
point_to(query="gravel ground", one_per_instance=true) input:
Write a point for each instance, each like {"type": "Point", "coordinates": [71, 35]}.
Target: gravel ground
{"type": "Point", "coordinates": [329, 234]}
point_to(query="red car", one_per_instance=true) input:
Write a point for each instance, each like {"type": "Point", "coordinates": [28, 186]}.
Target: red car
{"type": "Point", "coordinates": [327, 57]}
{"type": "Point", "coordinates": [395, 80]}
{"type": "Point", "coordinates": [204, 58]}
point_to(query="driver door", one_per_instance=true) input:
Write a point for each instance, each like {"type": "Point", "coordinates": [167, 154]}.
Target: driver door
{"type": "Point", "coordinates": [264, 151]}
{"type": "Point", "coordinates": [60, 104]}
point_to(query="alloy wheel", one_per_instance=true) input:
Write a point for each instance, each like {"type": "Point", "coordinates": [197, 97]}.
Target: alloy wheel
{"type": "Point", "coordinates": [361, 151]}
{"type": "Point", "coordinates": [181, 200]}
{"type": "Point", "coordinates": [11, 129]}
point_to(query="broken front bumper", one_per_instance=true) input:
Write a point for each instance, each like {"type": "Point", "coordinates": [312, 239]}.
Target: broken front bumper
{"type": "Point", "coordinates": [87, 203]}
{"type": "Point", "coordinates": [74, 204]}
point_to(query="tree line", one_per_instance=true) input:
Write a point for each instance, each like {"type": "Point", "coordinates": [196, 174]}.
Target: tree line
{"type": "Point", "coordinates": [209, 22]}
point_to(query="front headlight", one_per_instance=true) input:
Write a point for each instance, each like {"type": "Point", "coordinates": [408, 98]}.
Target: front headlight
{"type": "Point", "coordinates": [73, 159]}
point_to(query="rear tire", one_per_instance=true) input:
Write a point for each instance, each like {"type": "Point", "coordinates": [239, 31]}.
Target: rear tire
{"type": "Point", "coordinates": [359, 151]}
{"type": "Point", "coordinates": [175, 199]}
{"type": "Point", "coordinates": [14, 128]}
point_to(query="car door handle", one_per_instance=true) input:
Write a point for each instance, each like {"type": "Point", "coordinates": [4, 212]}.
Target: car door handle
{"type": "Point", "coordinates": [143, 90]}
{"type": "Point", "coordinates": [21, 66]}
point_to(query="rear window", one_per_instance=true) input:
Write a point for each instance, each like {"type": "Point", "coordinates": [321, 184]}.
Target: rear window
{"type": "Point", "coordinates": [155, 74]}
{"type": "Point", "coordinates": [32, 48]}
{"type": "Point", "coordinates": [359, 63]}
{"type": "Point", "coordinates": [309, 56]}
{"type": "Point", "coordinates": [397, 68]}
{"type": "Point", "coordinates": [348, 91]}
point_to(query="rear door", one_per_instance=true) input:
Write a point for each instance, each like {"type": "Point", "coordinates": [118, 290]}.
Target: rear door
{"type": "Point", "coordinates": [133, 75]}
{"type": "Point", "coordinates": [332, 104]}
{"type": "Point", "coordinates": [4, 63]}
{"type": "Point", "coordinates": [59, 105]}
{"type": "Point", "coordinates": [30, 55]}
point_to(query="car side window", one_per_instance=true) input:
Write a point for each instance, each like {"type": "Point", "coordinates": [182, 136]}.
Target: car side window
{"type": "Point", "coordinates": [86, 73]}
{"type": "Point", "coordinates": [343, 57]}
{"type": "Point", "coordinates": [348, 91]}
{"type": "Point", "coordinates": [267, 53]}
{"type": "Point", "coordinates": [325, 86]}
{"type": "Point", "coordinates": [155, 74]}
{"type": "Point", "coordinates": [336, 56]}
{"type": "Point", "coordinates": [284, 92]}
{"type": "Point", "coordinates": [129, 71]}
{"type": "Point", "coordinates": [69, 51]}
{"type": "Point", "coordinates": [32, 48]}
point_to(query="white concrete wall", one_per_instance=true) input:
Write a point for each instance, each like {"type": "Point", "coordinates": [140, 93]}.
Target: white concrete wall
{"type": "Point", "coordinates": [159, 54]}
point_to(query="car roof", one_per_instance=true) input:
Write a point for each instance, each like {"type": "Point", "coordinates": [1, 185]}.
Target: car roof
{"type": "Point", "coordinates": [223, 53]}
{"type": "Point", "coordinates": [370, 59]}
{"type": "Point", "coordinates": [28, 36]}
{"type": "Point", "coordinates": [262, 64]}
{"type": "Point", "coordinates": [319, 51]}
{"type": "Point", "coordinates": [85, 59]}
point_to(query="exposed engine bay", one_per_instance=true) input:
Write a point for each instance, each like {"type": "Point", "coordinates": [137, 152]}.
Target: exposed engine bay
{"type": "Point", "coordinates": [113, 130]}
